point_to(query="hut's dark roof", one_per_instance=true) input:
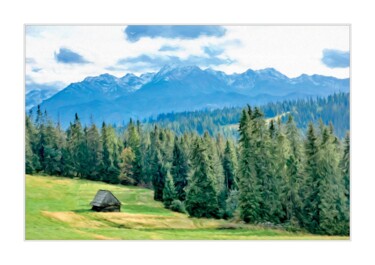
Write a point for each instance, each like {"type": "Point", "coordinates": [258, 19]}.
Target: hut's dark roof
{"type": "Point", "coordinates": [104, 198]}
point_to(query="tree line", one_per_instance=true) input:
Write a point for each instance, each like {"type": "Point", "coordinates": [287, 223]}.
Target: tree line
{"type": "Point", "coordinates": [334, 108]}
{"type": "Point", "coordinates": [273, 174]}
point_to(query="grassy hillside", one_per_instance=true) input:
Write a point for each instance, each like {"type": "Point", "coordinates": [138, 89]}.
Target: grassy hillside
{"type": "Point", "coordinates": [58, 208]}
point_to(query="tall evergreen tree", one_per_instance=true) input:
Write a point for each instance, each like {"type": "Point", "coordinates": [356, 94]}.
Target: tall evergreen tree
{"type": "Point", "coordinates": [76, 146]}
{"type": "Point", "coordinates": [201, 195]}
{"type": "Point", "coordinates": [277, 176]}
{"type": "Point", "coordinates": [180, 168]}
{"type": "Point", "coordinates": [169, 193]}
{"type": "Point", "coordinates": [312, 196]}
{"type": "Point", "coordinates": [230, 166]}
{"type": "Point", "coordinates": [292, 192]}
{"type": "Point", "coordinates": [249, 192]}
{"type": "Point", "coordinates": [269, 205]}
{"type": "Point", "coordinates": [126, 166]}
{"type": "Point", "coordinates": [333, 211]}
{"type": "Point", "coordinates": [345, 166]}
{"type": "Point", "coordinates": [134, 142]}
{"type": "Point", "coordinates": [94, 152]}
{"type": "Point", "coordinates": [111, 147]}
{"type": "Point", "coordinates": [158, 172]}
{"type": "Point", "coordinates": [31, 158]}
{"type": "Point", "coordinates": [52, 151]}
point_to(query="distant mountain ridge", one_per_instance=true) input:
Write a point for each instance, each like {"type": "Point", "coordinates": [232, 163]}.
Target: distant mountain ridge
{"type": "Point", "coordinates": [180, 88]}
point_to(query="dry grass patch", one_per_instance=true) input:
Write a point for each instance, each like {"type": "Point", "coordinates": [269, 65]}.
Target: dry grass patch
{"type": "Point", "coordinates": [142, 221]}
{"type": "Point", "coordinates": [73, 219]}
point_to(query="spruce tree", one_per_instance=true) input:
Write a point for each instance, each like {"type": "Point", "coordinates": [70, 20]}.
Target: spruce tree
{"type": "Point", "coordinates": [126, 166]}
{"type": "Point", "coordinates": [230, 166]}
{"type": "Point", "coordinates": [52, 152]}
{"type": "Point", "coordinates": [94, 152]}
{"type": "Point", "coordinates": [201, 195]}
{"type": "Point", "coordinates": [312, 196]}
{"type": "Point", "coordinates": [75, 146]}
{"type": "Point", "coordinates": [180, 168]}
{"type": "Point", "coordinates": [249, 192]}
{"type": "Point", "coordinates": [345, 166]}
{"type": "Point", "coordinates": [158, 172]}
{"type": "Point", "coordinates": [169, 193]}
{"type": "Point", "coordinates": [334, 214]}
{"type": "Point", "coordinates": [134, 142]}
{"type": "Point", "coordinates": [291, 190]}
{"type": "Point", "coordinates": [269, 205]}
{"type": "Point", "coordinates": [32, 163]}
{"type": "Point", "coordinates": [277, 175]}
{"type": "Point", "coordinates": [106, 155]}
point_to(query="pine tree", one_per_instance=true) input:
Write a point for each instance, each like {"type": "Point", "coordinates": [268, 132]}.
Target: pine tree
{"type": "Point", "coordinates": [277, 173]}
{"type": "Point", "coordinates": [76, 146]}
{"type": "Point", "coordinates": [180, 168]}
{"type": "Point", "coordinates": [94, 152]}
{"type": "Point", "coordinates": [52, 151]}
{"type": "Point", "coordinates": [133, 141]}
{"type": "Point", "coordinates": [158, 172]}
{"type": "Point", "coordinates": [110, 167]}
{"type": "Point", "coordinates": [106, 161]}
{"type": "Point", "coordinates": [31, 159]}
{"type": "Point", "coordinates": [292, 192]}
{"type": "Point", "coordinates": [215, 162]}
{"type": "Point", "coordinates": [312, 196]}
{"type": "Point", "coordinates": [230, 166]}
{"type": "Point", "coordinates": [269, 205]}
{"type": "Point", "coordinates": [169, 193]}
{"type": "Point", "coordinates": [201, 195]}
{"type": "Point", "coordinates": [249, 193]}
{"type": "Point", "coordinates": [333, 211]}
{"type": "Point", "coordinates": [126, 166]}
{"type": "Point", "coordinates": [345, 166]}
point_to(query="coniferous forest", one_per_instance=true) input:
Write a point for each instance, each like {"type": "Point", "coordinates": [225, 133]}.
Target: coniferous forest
{"type": "Point", "coordinates": [274, 174]}
{"type": "Point", "coordinates": [334, 108]}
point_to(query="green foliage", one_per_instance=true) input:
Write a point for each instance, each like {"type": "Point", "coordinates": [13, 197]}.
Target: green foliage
{"type": "Point", "coordinates": [334, 214]}
{"type": "Point", "coordinates": [201, 194]}
{"type": "Point", "coordinates": [232, 204]}
{"type": "Point", "coordinates": [169, 193]}
{"type": "Point", "coordinates": [180, 168]}
{"type": "Point", "coordinates": [158, 175]}
{"type": "Point", "coordinates": [294, 178]}
{"type": "Point", "coordinates": [345, 166]}
{"type": "Point", "coordinates": [126, 167]}
{"type": "Point", "coordinates": [334, 108]}
{"type": "Point", "coordinates": [230, 166]}
{"type": "Point", "coordinates": [311, 192]}
{"type": "Point", "coordinates": [275, 174]}
{"type": "Point", "coordinates": [249, 189]}
{"type": "Point", "coordinates": [177, 206]}
{"type": "Point", "coordinates": [94, 151]}
{"type": "Point", "coordinates": [132, 140]}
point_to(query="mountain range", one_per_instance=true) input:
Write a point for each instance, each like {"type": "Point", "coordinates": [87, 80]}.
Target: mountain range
{"type": "Point", "coordinates": [179, 88]}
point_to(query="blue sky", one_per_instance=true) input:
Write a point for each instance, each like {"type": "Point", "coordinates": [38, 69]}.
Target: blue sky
{"type": "Point", "coordinates": [65, 54]}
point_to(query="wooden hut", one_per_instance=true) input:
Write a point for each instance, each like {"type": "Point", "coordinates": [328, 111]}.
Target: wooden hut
{"type": "Point", "coordinates": [105, 201]}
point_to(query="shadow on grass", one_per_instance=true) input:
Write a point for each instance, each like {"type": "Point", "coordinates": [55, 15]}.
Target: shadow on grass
{"type": "Point", "coordinates": [82, 211]}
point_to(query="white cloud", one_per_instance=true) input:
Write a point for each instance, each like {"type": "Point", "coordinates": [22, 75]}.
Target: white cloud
{"type": "Point", "coordinates": [292, 50]}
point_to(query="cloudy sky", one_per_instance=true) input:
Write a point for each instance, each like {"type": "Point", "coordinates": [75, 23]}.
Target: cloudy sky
{"type": "Point", "coordinates": [59, 55]}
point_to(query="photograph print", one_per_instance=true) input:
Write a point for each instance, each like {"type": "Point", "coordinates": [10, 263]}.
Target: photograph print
{"type": "Point", "coordinates": [187, 132]}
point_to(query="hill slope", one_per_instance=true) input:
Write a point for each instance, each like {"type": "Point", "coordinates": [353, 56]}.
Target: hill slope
{"type": "Point", "coordinates": [58, 208]}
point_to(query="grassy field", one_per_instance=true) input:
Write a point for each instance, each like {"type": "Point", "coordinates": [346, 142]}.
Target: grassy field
{"type": "Point", "coordinates": [58, 208]}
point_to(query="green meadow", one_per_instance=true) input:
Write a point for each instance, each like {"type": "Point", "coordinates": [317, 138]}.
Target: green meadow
{"type": "Point", "coordinates": [58, 209]}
